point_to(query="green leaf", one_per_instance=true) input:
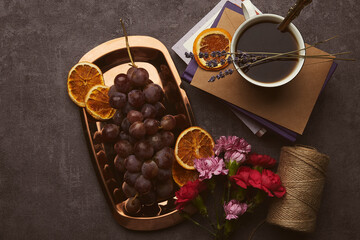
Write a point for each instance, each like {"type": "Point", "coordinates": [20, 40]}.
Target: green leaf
{"type": "Point", "coordinates": [233, 167]}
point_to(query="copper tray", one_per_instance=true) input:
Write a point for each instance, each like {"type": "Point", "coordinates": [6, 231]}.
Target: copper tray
{"type": "Point", "coordinates": [112, 58]}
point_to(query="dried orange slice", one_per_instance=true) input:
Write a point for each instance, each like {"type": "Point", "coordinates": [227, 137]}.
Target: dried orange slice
{"type": "Point", "coordinates": [82, 77]}
{"type": "Point", "coordinates": [212, 40]}
{"type": "Point", "coordinates": [182, 175]}
{"type": "Point", "coordinates": [97, 103]}
{"type": "Point", "coordinates": [193, 143]}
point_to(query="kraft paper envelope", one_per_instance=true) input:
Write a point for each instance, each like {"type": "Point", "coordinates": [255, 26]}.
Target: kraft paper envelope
{"type": "Point", "coordinates": [289, 106]}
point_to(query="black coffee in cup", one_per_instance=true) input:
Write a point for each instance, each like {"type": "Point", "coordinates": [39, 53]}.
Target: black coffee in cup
{"type": "Point", "coordinates": [265, 37]}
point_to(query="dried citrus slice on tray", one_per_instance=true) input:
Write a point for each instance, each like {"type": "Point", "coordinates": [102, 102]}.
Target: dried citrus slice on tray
{"type": "Point", "coordinates": [212, 40]}
{"type": "Point", "coordinates": [182, 175]}
{"type": "Point", "coordinates": [97, 103]}
{"type": "Point", "coordinates": [82, 77]}
{"type": "Point", "coordinates": [193, 143]}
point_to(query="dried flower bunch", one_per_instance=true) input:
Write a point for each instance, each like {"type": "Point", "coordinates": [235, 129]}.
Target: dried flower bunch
{"type": "Point", "coordinates": [245, 60]}
{"type": "Point", "coordinates": [248, 180]}
{"type": "Point", "coordinates": [241, 58]}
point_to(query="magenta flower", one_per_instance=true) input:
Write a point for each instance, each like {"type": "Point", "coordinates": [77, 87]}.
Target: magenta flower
{"type": "Point", "coordinates": [207, 167]}
{"type": "Point", "coordinates": [235, 148]}
{"type": "Point", "coordinates": [234, 209]}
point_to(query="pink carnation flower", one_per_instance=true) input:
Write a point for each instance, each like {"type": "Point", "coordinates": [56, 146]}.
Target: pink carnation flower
{"type": "Point", "coordinates": [234, 209]}
{"type": "Point", "coordinates": [235, 148]}
{"type": "Point", "coordinates": [224, 144]}
{"type": "Point", "coordinates": [235, 156]}
{"type": "Point", "coordinates": [207, 167]}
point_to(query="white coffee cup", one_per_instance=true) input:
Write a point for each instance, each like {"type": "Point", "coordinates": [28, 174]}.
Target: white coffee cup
{"type": "Point", "coordinates": [251, 18]}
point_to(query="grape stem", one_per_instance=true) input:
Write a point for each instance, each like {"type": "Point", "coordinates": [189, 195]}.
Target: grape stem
{"type": "Point", "coordinates": [127, 44]}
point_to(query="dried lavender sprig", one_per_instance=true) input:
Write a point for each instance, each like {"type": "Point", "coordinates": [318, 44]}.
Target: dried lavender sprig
{"type": "Point", "coordinates": [212, 54]}
{"type": "Point", "coordinates": [245, 59]}
{"type": "Point", "coordinates": [297, 55]}
{"type": "Point", "coordinates": [244, 55]}
{"type": "Point", "coordinates": [189, 55]}
{"type": "Point", "coordinates": [212, 79]}
{"type": "Point", "coordinates": [265, 54]}
{"type": "Point", "coordinates": [229, 59]}
{"type": "Point", "coordinates": [294, 51]}
{"type": "Point", "coordinates": [221, 75]}
{"type": "Point", "coordinates": [323, 56]}
{"type": "Point", "coordinates": [329, 57]}
{"type": "Point", "coordinates": [212, 63]}
{"type": "Point", "coordinates": [256, 59]}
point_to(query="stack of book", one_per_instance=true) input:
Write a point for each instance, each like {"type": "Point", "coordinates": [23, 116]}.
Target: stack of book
{"type": "Point", "coordinates": [284, 110]}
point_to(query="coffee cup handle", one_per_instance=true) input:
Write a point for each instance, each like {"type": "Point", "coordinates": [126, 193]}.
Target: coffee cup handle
{"type": "Point", "coordinates": [249, 9]}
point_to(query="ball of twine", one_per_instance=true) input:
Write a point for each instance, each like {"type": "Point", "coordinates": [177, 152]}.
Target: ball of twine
{"type": "Point", "coordinates": [302, 170]}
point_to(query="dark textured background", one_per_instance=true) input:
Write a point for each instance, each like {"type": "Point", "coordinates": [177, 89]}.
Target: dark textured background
{"type": "Point", "coordinates": [48, 187]}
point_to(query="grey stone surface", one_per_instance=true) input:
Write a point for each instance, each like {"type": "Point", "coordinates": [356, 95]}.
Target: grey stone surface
{"type": "Point", "coordinates": [48, 187]}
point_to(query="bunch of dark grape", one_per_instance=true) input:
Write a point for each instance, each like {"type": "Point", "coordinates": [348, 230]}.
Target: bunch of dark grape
{"type": "Point", "coordinates": [143, 139]}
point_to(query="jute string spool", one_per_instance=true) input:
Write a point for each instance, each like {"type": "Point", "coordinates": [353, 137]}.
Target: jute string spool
{"type": "Point", "coordinates": [302, 171]}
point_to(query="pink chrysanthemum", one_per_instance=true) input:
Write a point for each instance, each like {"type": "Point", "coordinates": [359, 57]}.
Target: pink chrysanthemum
{"type": "Point", "coordinates": [235, 148]}
{"type": "Point", "coordinates": [234, 209]}
{"type": "Point", "coordinates": [207, 167]}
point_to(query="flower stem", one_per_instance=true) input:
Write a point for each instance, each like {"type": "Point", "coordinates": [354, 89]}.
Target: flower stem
{"type": "Point", "coordinates": [198, 224]}
{"type": "Point", "coordinates": [324, 56]}
{"type": "Point", "coordinates": [210, 222]}
{"type": "Point", "coordinates": [228, 190]}
{"type": "Point", "coordinates": [275, 53]}
{"type": "Point", "coordinates": [294, 51]}
{"type": "Point", "coordinates": [127, 44]}
{"type": "Point", "coordinates": [320, 57]}
{"type": "Point", "coordinates": [255, 229]}
{"type": "Point", "coordinates": [216, 214]}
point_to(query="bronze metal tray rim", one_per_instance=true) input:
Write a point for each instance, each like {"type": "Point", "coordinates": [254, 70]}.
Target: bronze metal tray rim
{"type": "Point", "coordinates": [135, 223]}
